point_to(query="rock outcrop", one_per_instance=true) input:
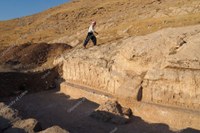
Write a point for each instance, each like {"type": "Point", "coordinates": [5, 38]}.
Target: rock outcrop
{"type": "Point", "coordinates": [112, 111]}
{"type": "Point", "coordinates": [10, 122]}
{"type": "Point", "coordinates": [54, 129]}
{"type": "Point", "coordinates": [162, 68]}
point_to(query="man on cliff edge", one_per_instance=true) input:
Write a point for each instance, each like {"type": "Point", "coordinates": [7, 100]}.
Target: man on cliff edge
{"type": "Point", "coordinates": [91, 35]}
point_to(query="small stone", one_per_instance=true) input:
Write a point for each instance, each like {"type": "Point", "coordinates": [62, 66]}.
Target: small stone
{"type": "Point", "coordinates": [28, 125]}
{"type": "Point", "coordinates": [113, 112]}
{"type": "Point", "coordinates": [54, 129]}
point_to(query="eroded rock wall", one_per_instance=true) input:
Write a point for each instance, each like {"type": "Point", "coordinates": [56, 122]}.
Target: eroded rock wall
{"type": "Point", "coordinates": [161, 68]}
{"type": "Point", "coordinates": [177, 81]}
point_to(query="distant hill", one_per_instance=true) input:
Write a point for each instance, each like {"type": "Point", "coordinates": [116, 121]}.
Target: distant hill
{"type": "Point", "coordinates": [116, 19]}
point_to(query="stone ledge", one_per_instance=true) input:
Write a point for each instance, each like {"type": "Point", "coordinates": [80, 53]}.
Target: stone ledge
{"type": "Point", "coordinates": [78, 91]}
{"type": "Point", "coordinates": [176, 118]}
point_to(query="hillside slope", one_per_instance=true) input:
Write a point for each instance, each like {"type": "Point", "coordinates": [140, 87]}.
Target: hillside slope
{"type": "Point", "coordinates": [116, 19]}
{"type": "Point", "coordinates": [142, 59]}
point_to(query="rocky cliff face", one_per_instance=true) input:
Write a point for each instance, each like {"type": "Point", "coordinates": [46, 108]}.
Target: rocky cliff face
{"type": "Point", "coordinates": [161, 67]}
{"type": "Point", "coordinates": [176, 80]}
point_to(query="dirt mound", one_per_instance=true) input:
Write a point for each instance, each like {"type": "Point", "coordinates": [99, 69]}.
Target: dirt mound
{"type": "Point", "coordinates": [35, 63]}
{"type": "Point", "coordinates": [29, 56]}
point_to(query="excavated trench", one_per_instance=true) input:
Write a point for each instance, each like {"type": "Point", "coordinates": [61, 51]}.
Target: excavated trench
{"type": "Point", "coordinates": [28, 67]}
{"type": "Point", "coordinates": [24, 70]}
{"type": "Point", "coordinates": [14, 83]}
{"type": "Point", "coordinates": [43, 100]}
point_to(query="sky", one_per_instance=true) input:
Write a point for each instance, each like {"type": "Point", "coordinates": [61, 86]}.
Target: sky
{"type": "Point", "coordinates": [10, 9]}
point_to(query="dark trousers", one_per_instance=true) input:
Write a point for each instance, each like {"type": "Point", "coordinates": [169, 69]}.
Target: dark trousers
{"type": "Point", "coordinates": [92, 37]}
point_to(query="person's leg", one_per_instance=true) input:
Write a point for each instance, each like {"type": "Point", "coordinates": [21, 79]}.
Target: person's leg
{"type": "Point", "coordinates": [94, 40]}
{"type": "Point", "coordinates": [87, 40]}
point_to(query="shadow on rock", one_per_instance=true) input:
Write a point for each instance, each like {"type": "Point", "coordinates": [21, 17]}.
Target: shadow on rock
{"type": "Point", "coordinates": [190, 130]}
{"type": "Point", "coordinates": [15, 83]}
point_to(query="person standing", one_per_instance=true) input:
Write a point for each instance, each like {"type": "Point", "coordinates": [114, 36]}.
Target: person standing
{"type": "Point", "coordinates": [91, 35]}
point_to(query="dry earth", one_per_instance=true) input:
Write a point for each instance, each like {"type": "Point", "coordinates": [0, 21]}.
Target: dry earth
{"type": "Point", "coordinates": [116, 19]}
{"type": "Point", "coordinates": [56, 109]}
{"type": "Point", "coordinates": [153, 69]}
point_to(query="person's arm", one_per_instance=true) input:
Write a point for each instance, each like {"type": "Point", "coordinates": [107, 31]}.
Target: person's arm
{"type": "Point", "coordinates": [96, 32]}
{"type": "Point", "coordinates": [93, 29]}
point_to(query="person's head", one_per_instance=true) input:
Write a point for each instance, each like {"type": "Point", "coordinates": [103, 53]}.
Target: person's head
{"type": "Point", "coordinates": [94, 23]}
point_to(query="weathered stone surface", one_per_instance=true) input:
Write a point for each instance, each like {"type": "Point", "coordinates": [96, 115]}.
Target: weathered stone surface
{"type": "Point", "coordinates": [112, 111]}
{"type": "Point", "coordinates": [176, 82]}
{"type": "Point", "coordinates": [7, 115]}
{"type": "Point", "coordinates": [162, 67]}
{"type": "Point", "coordinates": [10, 122]}
{"type": "Point", "coordinates": [29, 125]}
{"type": "Point", "coordinates": [54, 129]}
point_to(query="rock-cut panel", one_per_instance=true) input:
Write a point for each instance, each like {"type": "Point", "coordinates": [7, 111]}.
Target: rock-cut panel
{"type": "Point", "coordinates": [162, 67]}
{"type": "Point", "coordinates": [177, 82]}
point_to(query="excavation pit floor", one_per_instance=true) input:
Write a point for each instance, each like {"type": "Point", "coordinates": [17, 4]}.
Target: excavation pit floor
{"type": "Point", "coordinates": [55, 108]}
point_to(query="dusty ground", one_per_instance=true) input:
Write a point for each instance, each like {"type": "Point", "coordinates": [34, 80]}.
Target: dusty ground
{"type": "Point", "coordinates": [52, 108]}
{"type": "Point", "coordinates": [55, 108]}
